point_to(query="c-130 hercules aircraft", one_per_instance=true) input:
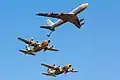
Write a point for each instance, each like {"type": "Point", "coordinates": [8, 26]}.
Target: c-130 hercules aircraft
{"type": "Point", "coordinates": [37, 46]}
{"type": "Point", "coordinates": [63, 18]}
{"type": "Point", "coordinates": [57, 70]}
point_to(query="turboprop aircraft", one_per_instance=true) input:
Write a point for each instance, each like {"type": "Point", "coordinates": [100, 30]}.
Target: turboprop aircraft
{"type": "Point", "coordinates": [57, 70]}
{"type": "Point", "coordinates": [63, 18]}
{"type": "Point", "coordinates": [37, 46]}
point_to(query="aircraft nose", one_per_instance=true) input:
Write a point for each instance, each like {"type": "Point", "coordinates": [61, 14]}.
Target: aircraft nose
{"type": "Point", "coordinates": [85, 5]}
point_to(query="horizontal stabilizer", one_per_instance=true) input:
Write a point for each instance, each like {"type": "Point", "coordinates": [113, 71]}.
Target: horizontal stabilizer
{"type": "Point", "coordinates": [48, 27]}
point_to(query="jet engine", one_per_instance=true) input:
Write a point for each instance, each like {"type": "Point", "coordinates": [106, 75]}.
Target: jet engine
{"type": "Point", "coordinates": [82, 23]}
{"type": "Point", "coordinates": [81, 20]}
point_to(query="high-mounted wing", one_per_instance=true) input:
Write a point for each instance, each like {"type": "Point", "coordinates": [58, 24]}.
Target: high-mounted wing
{"type": "Point", "coordinates": [51, 48]}
{"type": "Point", "coordinates": [27, 41]}
{"type": "Point", "coordinates": [49, 74]}
{"type": "Point", "coordinates": [54, 15]}
{"type": "Point", "coordinates": [63, 16]}
{"type": "Point", "coordinates": [30, 52]}
{"type": "Point", "coordinates": [24, 40]}
{"type": "Point", "coordinates": [50, 66]}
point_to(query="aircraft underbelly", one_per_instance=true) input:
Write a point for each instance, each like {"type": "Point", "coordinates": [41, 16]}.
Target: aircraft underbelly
{"type": "Point", "coordinates": [37, 48]}
{"type": "Point", "coordinates": [58, 23]}
{"type": "Point", "coordinates": [40, 47]}
{"type": "Point", "coordinates": [64, 20]}
{"type": "Point", "coordinates": [57, 72]}
{"type": "Point", "coordinates": [73, 18]}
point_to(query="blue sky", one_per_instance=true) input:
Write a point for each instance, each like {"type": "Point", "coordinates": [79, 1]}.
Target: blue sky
{"type": "Point", "coordinates": [94, 50]}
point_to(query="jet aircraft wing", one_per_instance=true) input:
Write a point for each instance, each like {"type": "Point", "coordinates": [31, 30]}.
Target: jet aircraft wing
{"type": "Point", "coordinates": [76, 22]}
{"type": "Point", "coordinates": [50, 66]}
{"type": "Point", "coordinates": [62, 16]}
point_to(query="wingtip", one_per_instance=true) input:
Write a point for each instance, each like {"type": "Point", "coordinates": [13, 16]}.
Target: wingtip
{"type": "Point", "coordinates": [57, 50]}
{"type": "Point", "coordinates": [86, 4]}
{"type": "Point", "coordinates": [42, 64]}
{"type": "Point", "coordinates": [37, 14]}
{"type": "Point", "coordinates": [33, 54]}
{"type": "Point", "coordinates": [20, 50]}
{"type": "Point", "coordinates": [76, 71]}
{"type": "Point", "coordinates": [41, 26]}
{"type": "Point", "coordinates": [18, 38]}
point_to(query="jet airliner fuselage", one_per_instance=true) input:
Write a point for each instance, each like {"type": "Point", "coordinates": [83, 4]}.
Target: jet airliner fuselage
{"type": "Point", "coordinates": [64, 17]}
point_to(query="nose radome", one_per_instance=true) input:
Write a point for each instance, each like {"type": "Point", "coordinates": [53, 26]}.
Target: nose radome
{"type": "Point", "coordinates": [86, 4]}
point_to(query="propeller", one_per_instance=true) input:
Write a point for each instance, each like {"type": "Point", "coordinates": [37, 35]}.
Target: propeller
{"type": "Point", "coordinates": [72, 69]}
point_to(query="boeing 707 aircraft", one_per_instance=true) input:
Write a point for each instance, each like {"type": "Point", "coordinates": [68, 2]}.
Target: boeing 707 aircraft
{"type": "Point", "coordinates": [64, 17]}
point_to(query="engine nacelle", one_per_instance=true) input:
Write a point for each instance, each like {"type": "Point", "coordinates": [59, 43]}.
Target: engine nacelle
{"type": "Point", "coordinates": [81, 20]}
{"type": "Point", "coordinates": [82, 23]}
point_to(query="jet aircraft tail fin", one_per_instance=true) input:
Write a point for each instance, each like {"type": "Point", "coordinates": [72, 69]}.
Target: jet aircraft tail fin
{"type": "Point", "coordinates": [49, 22]}
{"type": "Point", "coordinates": [49, 26]}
